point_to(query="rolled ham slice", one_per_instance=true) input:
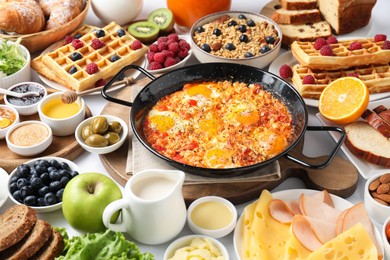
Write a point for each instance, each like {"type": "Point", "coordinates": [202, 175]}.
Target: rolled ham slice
{"type": "Point", "coordinates": [315, 207]}
{"type": "Point", "coordinates": [283, 211]}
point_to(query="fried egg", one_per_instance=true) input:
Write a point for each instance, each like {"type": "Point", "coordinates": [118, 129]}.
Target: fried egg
{"type": "Point", "coordinates": [242, 113]}
{"type": "Point", "coordinates": [167, 121]}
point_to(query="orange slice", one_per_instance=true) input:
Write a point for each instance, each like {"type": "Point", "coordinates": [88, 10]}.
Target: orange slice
{"type": "Point", "coordinates": [344, 100]}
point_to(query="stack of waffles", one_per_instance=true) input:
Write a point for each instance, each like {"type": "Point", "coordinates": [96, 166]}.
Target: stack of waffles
{"type": "Point", "coordinates": [370, 64]}
{"type": "Point", "coordinates": [61, 66]}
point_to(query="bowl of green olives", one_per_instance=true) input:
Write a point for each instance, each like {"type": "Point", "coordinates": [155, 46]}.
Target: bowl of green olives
{"type": "Point", "coordinates": [101, 134]}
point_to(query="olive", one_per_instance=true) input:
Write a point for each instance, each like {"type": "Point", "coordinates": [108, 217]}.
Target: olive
{"type": "Point", "coordinates": [112, 137]}
{"type": "Point", "coordinates": [96, 140]}
{"type": "Point", "coordinates": [115, 126]}
{"type": "Point", "coordinates": [99, 125]}
{"type": "Point", "coordinates": [86, 131]}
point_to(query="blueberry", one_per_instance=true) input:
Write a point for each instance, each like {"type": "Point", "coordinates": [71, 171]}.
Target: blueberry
{"type": "Point", "coordinates": [30, 201]}
{"type": "Point", "coordinates": [217, 32]}
{"type": "Point", "coordinates": [42, 191]}
{"type": "Point", "coordinates": [270, 39]}
{"type": "Point", "coordinates": [55, 186]}
{"type": "Point", "coordinates": [114, 58]}
{"type": "Point", "coordinates": [206, 47]}
{"type": "Point", "coordinates": [65, 173]}
{"type": "Point", "coordinates": [51, 168]}
{"type": "Point", "coordinates": [41, 201]}
{"type": "Point", "coordinates": [59, 194]}
{"type": "Point", "coordinates": [230, 46]}
{"type": "Point", "coordinates": [265, 49]}
{"type": "Point", "coordinates": [72, 70]}
{"type": "Point", "coordinates": [23, 171]}
{"type": "Point", "coordinates": [36, 183]}
{"type": "Point", "coordinates": [45, 163]}
{"type": "Point", "coordinates": [33, 173]}
{"type": "Point", "coordinates": [26, 191]}
{"type": "Point", "coordinates": [241, 16]}
{"type": "Point", "coordinates": [251, 23]}
{"type": "Point", "coordinates": [50, 199]}
{"type": "Point", "coordinates": [64, 181]}
{"type": "Point", "coordinates": [199, 29]}
{"type": "Point", "coordinates": [76, 56]}
{"type": "Point", "coordinates": [248, 54]}
{"type": "Point", "coordinates": [74, 174]}
{"type": "Point", "coordinates": [121, 32]}
{"type": "Point", "coordinates": [54, 163]}
{"type": "Point", "coordinates": [45, 178]}
{"type": "Point", "coordinates": [22, 182]}
{"type": "Point", "coordinates": [77, 36]}
{"type": "Point", "coordinates": [244, 38]}
{"type": "Point", "coordinates": [14, 179]}
{"type": "Point", "coordinates": [54, 175]}
{"type": "Point", "coordinates": [40, 168]}
{"type": "Point", "coordinates": [13, 187]}
{"type": "Point", "coordinates": [100, 33]}
{"type": "Point", "coordinates": [241, 28]}
{"type": "Point", "coordinates": [65, 166]}
{"type": "Point", "coordinates": [232, 23]}
{"type": "Point", "coordinates": [17, 195]}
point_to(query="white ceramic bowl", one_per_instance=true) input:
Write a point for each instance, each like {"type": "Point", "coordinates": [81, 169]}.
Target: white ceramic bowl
{"type": "Point", "coordinates": [186, 240]}
{"type": "Point", "coordinates": [4, 177]}
{"type": "Point", "coordinates": [386, 244]}
{"type": "Point", "coordinates": [42, 209]}
{"type": "Point", "coordinates": [216, 233]}
{"type": "Point", "coordinates": [62, 126]}
{"type": "Point", "coordinates": [33, 149]}
{"type": "Point", "coordinates": [377, 211]}
{"type": "Point", "coordinates": [259, 61]}
{"type": "Point", "coordinates": [23, 75]}
{"type": "Point", "coordinates": [4, 131]}
{"type": "Point", "coordinates": [106, 149]}
{"type": "Point", "coordinates": [28, 109]}
{"type": "Point", "coordinates": [119, 11]}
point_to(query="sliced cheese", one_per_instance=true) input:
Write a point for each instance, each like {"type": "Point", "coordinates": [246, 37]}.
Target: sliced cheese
{"type": "Point", "coordinates": [295, 249]}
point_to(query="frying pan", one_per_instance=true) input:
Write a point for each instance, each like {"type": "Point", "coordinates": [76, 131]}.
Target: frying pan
{"type": "Point", "coordinates": [174, 81]}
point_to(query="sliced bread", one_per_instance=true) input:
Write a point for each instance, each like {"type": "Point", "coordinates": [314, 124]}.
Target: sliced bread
{"type": "Point", "coordinates": [304, 32]}
{"type": "Point", "coordinates": [52, 248]}
{"type": "Point", "coordinates": [376, 121]}
{"type": "Point", "coordinates": [366, 142]}
{"type": "Point", "coordinates": [298, 4]}
{"type": "Point", "coordinates": [15, 224]}
{"type": "Point", "coordinates": [283, 16]}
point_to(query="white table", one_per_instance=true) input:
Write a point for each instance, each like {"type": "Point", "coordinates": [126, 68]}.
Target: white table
{"type": "Point", "coordinates": [317, 143]}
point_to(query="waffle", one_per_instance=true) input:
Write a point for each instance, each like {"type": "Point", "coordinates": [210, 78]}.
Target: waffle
{"type": "Point", "coordinates": [57, 63]}
{"type": "Point", "coordinates": [376, 78]}
{"type": "Point", "coordinates": [371, 53]}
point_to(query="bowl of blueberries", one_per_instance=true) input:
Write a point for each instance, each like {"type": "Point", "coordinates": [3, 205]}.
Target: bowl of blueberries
{"type": "Point", "coordinates": [40, 183]}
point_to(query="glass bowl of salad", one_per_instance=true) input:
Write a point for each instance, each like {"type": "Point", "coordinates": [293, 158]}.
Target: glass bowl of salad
{"type": "Point", "coordinates": [14, 64]}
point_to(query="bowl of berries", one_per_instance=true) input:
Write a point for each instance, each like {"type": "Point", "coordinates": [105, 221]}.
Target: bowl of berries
{"type": "Point", "coordinates": [168, 53]}
{"type": "Point", "coordinates": [40, 183]}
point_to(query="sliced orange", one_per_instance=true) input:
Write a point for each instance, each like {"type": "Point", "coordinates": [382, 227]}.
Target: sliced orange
{"type": "Point", "coordinates": [344, 100]}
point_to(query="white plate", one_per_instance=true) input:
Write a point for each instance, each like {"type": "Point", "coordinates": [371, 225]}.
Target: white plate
{"type": "Point", "coordinates": [339, 203]}
{"type": "Point", "coordinates": [3, 186]}
{"type": "Point", "coordinates": [133, 73]}
{"type": "Point", "coordinates": [288, 58]}
{"type": "Point", "coordinates": [365, 168]}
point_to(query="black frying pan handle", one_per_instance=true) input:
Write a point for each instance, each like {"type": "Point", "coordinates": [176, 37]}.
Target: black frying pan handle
{"type": "Point", "coordinates": [332, 153]}
{"type": "Point", "coordinates": [108, 85]}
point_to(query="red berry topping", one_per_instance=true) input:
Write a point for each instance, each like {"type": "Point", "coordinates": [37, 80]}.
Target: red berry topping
{"type": "Point", "coordinates": [326, 50]}
{"type": "Point", "coordinates": [150, 56]}
{"type": "Point", "coordinates": [97, 44]}
{"type": "Point", "coordinates": [68, 39]}
{"type": "Point", "coordinates": [77, 44]}
{"type": "Point", "coordinates": [355, 46]}
{"type": "Point", "coordinates": [352, 74]}
{"type": "Point", "coordinates": [162, 46]}
{"type": "Point", "coordinates": [386, 45]}
{"type": "Point", "coordinates": [285, 71]}
{"type": "Point", "coordinates": [380, 38]}
{"type": "Point", "coordinates": [184, 45]}
{"type": "Point", "coordinates": [162, 39]}
{"type": "Point", "coordinates": [92, 68]}
{"type": "Point", "coordinates": [174, 47]}
{"type": "Point", "coordinates": [332, 40]}
{"type": "Point", "coordinates": [168, 53]}
{"type": "Point", "coordinates": [155, 66]}
{"type": "Point", "coordinates": [159, 57]}
{"type": "Point", "coordinates": [100, 82]}
{"type": "Point", "coordinates": [308, 79]}
{"type": "Point", "coordinates": [135, 45]}
{"type": "Point", "coordinates": [153, 48]}
{"type": "Point", "coordinates": [173, 37]}
{"type": "Point", "coordinates": [170, 62]}
{"type": "Point", "coordinates": [182, 53]}
{"type": "Point", "coordinates": [319, 43]}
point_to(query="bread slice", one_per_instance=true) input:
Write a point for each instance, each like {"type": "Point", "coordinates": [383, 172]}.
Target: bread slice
{"type": "Point", "coordinates": [298, 4]}
{"type": "Point", "coordinates": [376, 121]}
{"type": "Point", "coordinates": [366, 142]}
{"type": "Point", "coordinates": [30, 244]}
{"type": "Point", "coordinates": [283, 16]}
{"type": "Point", "coordinates": [304, 32]}
{"type": "Point", "coordinates": [52, 249]}
{"type": "Point", "coordinates": [15, 223]}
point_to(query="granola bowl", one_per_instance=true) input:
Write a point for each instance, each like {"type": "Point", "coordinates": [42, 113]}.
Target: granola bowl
{"type": "Point", "coordinates": [236, 37]}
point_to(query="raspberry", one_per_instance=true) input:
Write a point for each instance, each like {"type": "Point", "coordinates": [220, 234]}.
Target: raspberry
{"type": "Point", "coordinates": [326, 50]}
{"type": "Point", "coordinates": [153, 48]}
{"type": "Point", "coordinates": [100, 82]}
{"type": "Point", "coordinates": [319, 43]}
{"type": "Point", "coordinates": [352, 74]}
{"type": "Point", "coordinates": [162, 39]}
{"type": "Point", "coordinates": [332, 40]}
{"type": "Point", "coordinates": [68, 39]}
{"type": "Point", "coordinates": [168, 53]}
{"type": "Point", "coordinates": [77, 44]}
{"type": "Point", "coordinates": [182, 53]}
{"type": "Point", "coordinates": [285, 71]}
{"type": "Point", "coordinates": [150, 56]}
{"type": "Point", "coordinates": [97, 44]}
{"type": "Point", "coordinates": [355, 46]}
{"type": "Point", "coordinates": [162, 46]}
{"type": "Point", "coordinates": [135, 45]}
{"type": "Point", "coordinates": [92, 68]}
{"type": "Point", "coordinates": [169, 62]}
{"type": "Point", "coordinates": [184, 45]}
{"type": "Point", "coordinates": [173, 37]}
{"type": "Point", "coordinates": [386, 45]}
{"type": "Point", "coordinates": [380, 38]}
{"type": "Point", "coordinates": [308, 79]}
{"type": "Point", "coordinates": [174, 47]}
{"type": "Point", "coordinates": [155, 66]}
{"type": "Point", "coordinates": [159, 57]}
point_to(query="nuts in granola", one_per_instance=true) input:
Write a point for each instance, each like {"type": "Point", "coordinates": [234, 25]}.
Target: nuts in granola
{"type": "Point", "coordinates": [380, 189]}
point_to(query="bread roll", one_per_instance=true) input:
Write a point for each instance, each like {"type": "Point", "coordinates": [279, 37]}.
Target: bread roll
{"type": "Point", "coordinates": [60, 11]}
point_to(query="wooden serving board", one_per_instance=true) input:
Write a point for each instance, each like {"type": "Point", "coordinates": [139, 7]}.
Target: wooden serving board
{"type": "Point", "coordinates": [62, 146]}
{"type": "Point", "coordinates": [339, 178]}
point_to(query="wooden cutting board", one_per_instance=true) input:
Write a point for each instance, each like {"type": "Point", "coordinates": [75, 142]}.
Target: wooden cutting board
{"type": "Point", "coordinates": [339, 178]}
{"type": "Point", "coordinates": [62, 146]}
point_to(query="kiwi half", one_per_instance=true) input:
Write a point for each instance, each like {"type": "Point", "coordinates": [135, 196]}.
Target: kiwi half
{"type": "Point", "coordinates": [163, 17]}
{"type": "Point", "coordinates": [144, 31]}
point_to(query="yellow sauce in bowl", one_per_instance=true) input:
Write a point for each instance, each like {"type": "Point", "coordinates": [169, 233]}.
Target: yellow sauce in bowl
{"type": "Point", "coordinates": [55, 108]}
{"type": "Point", "coordinates": [211, 215]}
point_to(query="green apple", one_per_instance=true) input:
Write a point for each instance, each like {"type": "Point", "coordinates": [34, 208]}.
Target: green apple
{"type": "Point", "coordinates": [85, 198]}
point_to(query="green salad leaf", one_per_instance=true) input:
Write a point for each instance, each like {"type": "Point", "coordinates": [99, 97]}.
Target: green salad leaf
{"type": "Point", "coordinates": [101, 246]}
{"type": "Point", "coordinates": [11, 57]}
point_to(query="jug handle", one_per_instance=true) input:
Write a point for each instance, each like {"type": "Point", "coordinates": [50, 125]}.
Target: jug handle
{"type": "Point", "coordinates": [110, 210]}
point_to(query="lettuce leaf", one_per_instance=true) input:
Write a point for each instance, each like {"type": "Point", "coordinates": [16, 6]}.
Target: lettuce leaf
{"type": "Point", "coordinates": [101, 246]}
{"type": "Point", "coordinates": [11, 57]}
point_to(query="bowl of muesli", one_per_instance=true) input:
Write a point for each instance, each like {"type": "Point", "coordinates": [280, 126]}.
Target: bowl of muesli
{"type": "Point", "coordinates": [236, 37]}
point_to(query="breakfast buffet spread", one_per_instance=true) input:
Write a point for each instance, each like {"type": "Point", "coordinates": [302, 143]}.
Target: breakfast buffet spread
{"type": "Point", "coordinates": [228, 122]}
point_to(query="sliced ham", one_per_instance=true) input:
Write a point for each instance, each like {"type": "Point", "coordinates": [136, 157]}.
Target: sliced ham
{"type": "Point", "coordinates": [339, 222]}
{"type": "Point", "coordinates": [283, 211]}
{"type": "Point", "coordinates": [314, 207]}
{"type": "Point", "coordinates": [324, 196]}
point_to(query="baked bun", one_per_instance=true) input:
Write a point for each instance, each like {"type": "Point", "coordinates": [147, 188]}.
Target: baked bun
{"type": "Point", "coordinates": [21, 16]}
{"type": "Point", "coordinates": [60, 11]}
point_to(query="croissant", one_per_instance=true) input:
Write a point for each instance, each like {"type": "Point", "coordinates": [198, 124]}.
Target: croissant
{"type": "Point", "coordinates": [60, 11]}
{"type": "Point", "coordinates": [21, 16]}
